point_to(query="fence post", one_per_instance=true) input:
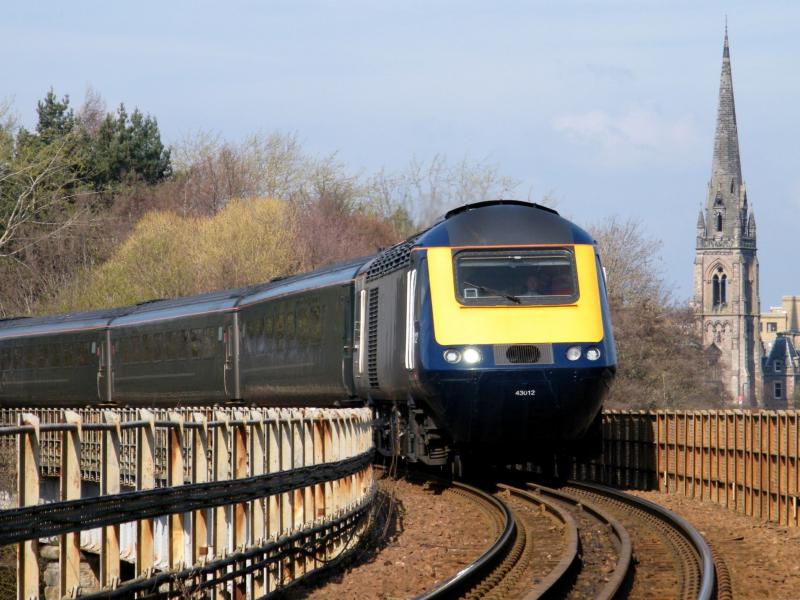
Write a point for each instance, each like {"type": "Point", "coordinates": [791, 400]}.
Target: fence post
{"type": "Point", "coordinates": [308, 491]}
{"type": "Point", "coordinates": [175, 479]}
{"type": "Point", "coordinates": [109, 484]}
{"type": "Point", "coordinates": [222, 472]}
{"type": "Point", "coordinates": [70, 543]}
{"type": "Point", "coordinates": [298, 498]}
{"type": "Point", "coordinates": [239, 447]}
{"type": "Point", "coordinates": [287, 571]}
{"type": "Point", "coordinates": [257, 507]}
{"type": "Point", "coordinates": [145, 480]}
{"type": "Point", "coordinates": [28, 465]}
{"type": "Point", "coordinates": [274, 501]}
{"type": "Point", "coordinates": [200, 475]}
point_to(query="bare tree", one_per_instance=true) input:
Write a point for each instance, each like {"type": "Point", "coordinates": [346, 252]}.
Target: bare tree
{"type": "Point", "coordinates": [428, 189]}
{"type": "Point", "coordinates": [631, 260]}
{"type": "Point", "coordinates": [661, 363]}
{"type": "Point", "coordinates": [92, 112]}
{"type": "Point", "coordinates": [38, 198]}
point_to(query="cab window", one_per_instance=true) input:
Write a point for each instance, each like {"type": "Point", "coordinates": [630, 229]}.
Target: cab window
{"type": "Point", "coordinates": [511, 278]}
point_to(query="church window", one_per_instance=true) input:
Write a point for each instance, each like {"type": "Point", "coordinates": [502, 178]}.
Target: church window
{"type": "Point", "coordinates": [778, 365]}
{"type": "Point", "coordinates": [777, 390]}
{"type": "Point", "coordinates": [732, 180]}
{"type": "Point", "coordinates": [772, 327]}
{"type": "Point", "coordinates": [719, 222]}
{"type": "Point", "coordinates": [715, 290]}
{"type": "Point", "coordinates": [719, 288]}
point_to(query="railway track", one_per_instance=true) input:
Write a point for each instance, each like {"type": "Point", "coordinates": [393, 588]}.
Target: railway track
{"type": "Point", "coordinates": [583, 541]}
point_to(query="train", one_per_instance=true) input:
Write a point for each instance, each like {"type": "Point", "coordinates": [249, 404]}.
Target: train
{"type": "Point", "coordinates": [487, 334]}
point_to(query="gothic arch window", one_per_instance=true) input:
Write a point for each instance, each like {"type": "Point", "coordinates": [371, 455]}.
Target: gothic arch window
{"type": "Point", "coordinates": [723, 289]}
{"type": "Point", "coordinates": [719, 288]}
{"type": "Point", "coordinates": [719, 221]}
{"type": "Point", "coordinates": [732, 180]}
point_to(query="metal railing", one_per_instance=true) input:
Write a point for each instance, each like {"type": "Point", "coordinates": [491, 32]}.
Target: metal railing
{"type": "Point", "coordinates": [250, 500]}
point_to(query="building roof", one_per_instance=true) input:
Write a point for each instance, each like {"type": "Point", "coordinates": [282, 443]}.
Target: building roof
{"type": "Point", "coordinates": [782, 349]}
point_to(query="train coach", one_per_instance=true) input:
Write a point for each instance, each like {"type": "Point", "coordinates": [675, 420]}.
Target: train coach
{"type": "Point", "coordinates": [487, 334]}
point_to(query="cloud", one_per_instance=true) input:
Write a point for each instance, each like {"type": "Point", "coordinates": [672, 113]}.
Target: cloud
{"type": "Point", "coordinates": [633, 137]}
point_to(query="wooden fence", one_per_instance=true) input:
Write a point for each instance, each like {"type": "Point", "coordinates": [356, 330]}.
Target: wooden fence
{"type": "Point", "coordinates": [746, 461]}
{"type": "Point", "coordinates": [189, 450]}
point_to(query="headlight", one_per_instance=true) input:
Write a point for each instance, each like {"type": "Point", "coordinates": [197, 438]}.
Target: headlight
{"type": "Point", "coordinates": [573, 353]}
{"type": "Point", "coordinates": [471, 356]}
{"type": "Point", "coordinates": [452, 356]}
{"type": "Point", "coordinates": [593, 353]}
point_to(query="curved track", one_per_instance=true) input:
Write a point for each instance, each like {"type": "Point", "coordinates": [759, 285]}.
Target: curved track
{"type": "Point", "coordinates": [673, 559]}
{"type": "Point", "coordinates": [579, 542]}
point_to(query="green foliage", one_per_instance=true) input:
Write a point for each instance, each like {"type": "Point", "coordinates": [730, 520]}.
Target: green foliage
{"type": "Point", "coordinates": [56, 118]}
{"type": "Point", "coordinates": [166, 256]}
{"type": "Point", "coordinates": [128, 147]}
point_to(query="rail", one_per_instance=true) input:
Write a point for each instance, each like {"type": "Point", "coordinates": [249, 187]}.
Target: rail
{"type": "Point", "coordinates": [696, 544]}
{"type": "Point", "coordinates": [250, 500]}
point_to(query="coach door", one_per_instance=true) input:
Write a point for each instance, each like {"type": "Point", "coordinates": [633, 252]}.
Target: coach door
{"type": "Point", "coordinates": [105, 377]}
{"type": "Point", "coordinates": [231, 369]}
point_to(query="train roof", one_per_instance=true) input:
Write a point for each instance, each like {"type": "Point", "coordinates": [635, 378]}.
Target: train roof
{"type": "Point", "coordinates": [155, 310]}
{"type": "Point", "coordinates": [503, 223]}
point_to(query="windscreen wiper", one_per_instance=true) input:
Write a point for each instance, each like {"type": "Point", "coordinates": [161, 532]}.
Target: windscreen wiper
{"type": "Point", "coordinates": [492, 292]}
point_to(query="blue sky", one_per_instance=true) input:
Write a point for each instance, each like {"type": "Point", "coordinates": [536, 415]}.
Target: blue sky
{"type": "Point", "coordinates": [608, 106]}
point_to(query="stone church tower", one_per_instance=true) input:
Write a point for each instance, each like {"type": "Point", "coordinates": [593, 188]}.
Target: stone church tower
{"type": "Point", "coordinates": [726, 298]}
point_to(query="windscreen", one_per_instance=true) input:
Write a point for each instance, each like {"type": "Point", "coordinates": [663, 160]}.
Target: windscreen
{"type": "Point", "coordinates": [544, 276]}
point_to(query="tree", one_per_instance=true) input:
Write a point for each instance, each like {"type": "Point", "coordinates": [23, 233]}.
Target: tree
{"type": "Point", "coordinates": [426, 190]}
{"type": "Point", "coordinates": [661, 361]}
{"type": "Point", "coordinates": [128, 148]}
{"type": "Point", "coordinates": [631, 261]}
{"type": "Point", "coordinates": [38, 193]}
{"type": "Point", "coordinates": [166, 255]}
{"type": "Point", "coordinates": [56, 118]}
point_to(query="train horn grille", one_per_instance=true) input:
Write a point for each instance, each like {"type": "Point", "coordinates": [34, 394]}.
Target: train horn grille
{"type": "Point", "coordinates": [517, 354]}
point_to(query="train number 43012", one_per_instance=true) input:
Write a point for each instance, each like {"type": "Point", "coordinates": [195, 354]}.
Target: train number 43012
{"type": "Point", "coordinates": [525, 393]}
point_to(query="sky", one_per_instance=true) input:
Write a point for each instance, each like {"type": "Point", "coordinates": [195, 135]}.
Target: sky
{"type": "Point", "coordinates": [607, 106]}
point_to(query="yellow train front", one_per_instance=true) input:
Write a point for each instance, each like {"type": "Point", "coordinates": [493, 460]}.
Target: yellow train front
{"type": "Point", "coordinates": [486, 336]}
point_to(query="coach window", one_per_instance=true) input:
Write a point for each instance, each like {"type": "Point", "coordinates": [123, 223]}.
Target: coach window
{"type": "Point", "coordinates": [16, 358]}
{"type": "Point", "coordinates": [5, 359]}
{"type": "Point", "coordinates": [302, 324]}
{"type": "Point", "coordinates": [209, 338]}
{"type": "Point", "coordinates": [54, 355]}
{"type": "Point", "coordinates": [82, 352]}
{"type": "Point", "coordinates": [316, 324]}
{"type": "Point", "coordinates": [777, 390]}
{"type": "Point", "coordinates": [268, 339]}
{"type": "Point", "coordinates": [194, 343]}
{"type": "Point", "coordinates": [279, 329]}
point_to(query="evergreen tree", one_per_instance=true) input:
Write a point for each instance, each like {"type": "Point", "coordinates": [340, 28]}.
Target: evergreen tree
{"type": "Point", "coordinates": [56, 118]}
{"type": "Point", "coordinates": [129, 147]}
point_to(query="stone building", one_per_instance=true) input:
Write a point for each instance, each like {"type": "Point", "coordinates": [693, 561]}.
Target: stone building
{"type": "Point", "coordinates": [726, 298]}
{"type": "Point", "coordinates": [781, 320]}
{"type": "Point", "coordinates": [781, 373]}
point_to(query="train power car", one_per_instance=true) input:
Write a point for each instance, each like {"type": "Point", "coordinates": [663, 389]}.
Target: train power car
{"type": "Point", "coordinates": [487, 334]}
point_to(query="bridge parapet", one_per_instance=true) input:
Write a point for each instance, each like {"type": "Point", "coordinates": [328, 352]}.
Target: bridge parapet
{"type": "Point", "coordinates": [189, 494]}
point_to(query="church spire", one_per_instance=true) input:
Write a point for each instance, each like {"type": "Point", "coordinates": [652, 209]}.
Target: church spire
{"type": "Point", "coordinates": [726, 173]}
